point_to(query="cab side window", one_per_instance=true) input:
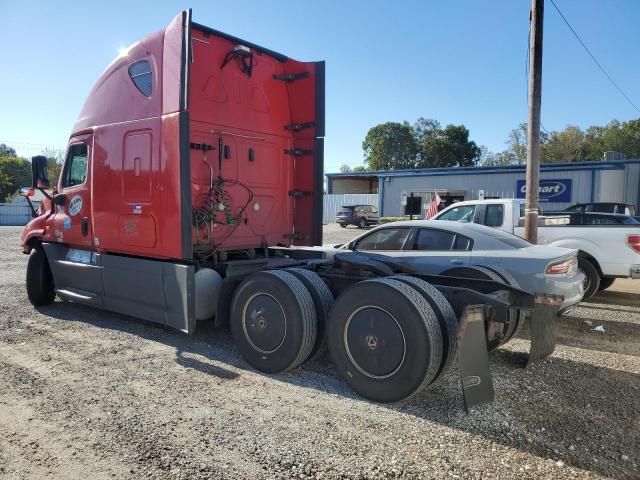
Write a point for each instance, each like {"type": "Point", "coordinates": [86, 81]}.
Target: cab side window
{"type": "Point", "coordinates": [494, 215]}
{"type": "Point", "coordinates": [75, 166]}
{"type": "Point", "coordinates": [141, 76]}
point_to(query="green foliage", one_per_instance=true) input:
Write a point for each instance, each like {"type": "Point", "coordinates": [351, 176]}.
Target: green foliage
{"type": "Point", "coordinates": [424, 145]}
{"type": "Point", "coordinates": [5, 185]}
{"type": "Point", "coordinates": [571, 144]}
{"type": "Point", "coordinates": [390, 146]}
{"type": "Point", "coordinates": [14, 173]}
{"type": "Point", "coordinates": [7, 151]}
{"type": "Point", "coordinates": [568, 145]}
{"type": "Point", "coordinates": [517, 143]}
{"type": "Point", "coordinates": [359, 168]}
{"type": "Point", "coordinates": [448, 147]}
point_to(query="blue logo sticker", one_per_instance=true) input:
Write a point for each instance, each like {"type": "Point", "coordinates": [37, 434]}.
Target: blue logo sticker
{"type": "Point", "coordinates": [550, 190]}
{"type": "Point", "coordinates": [66, 223]}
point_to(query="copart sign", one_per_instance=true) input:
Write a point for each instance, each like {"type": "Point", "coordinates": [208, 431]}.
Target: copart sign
{"type": "Point", "coordinates": [549, 190]}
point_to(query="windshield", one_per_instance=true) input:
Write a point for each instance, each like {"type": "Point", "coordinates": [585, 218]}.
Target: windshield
{"type": "Point", "coordinates": [460, 214]}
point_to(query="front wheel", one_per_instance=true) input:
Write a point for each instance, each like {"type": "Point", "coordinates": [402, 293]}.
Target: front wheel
{"type": "Point", "coordinates": [40, 288]}
{"type": "Point", "coordinates": [591, 281]}
{"type": "Point", "coordinates": [343, 225]}
{"type": "Point", "coordinates": [362, 223]}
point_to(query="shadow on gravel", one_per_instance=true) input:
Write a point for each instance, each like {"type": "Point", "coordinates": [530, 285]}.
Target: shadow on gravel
{"type": "Point", "coordinates": [199, 343]}
{"type": "Point", "coordinates": [624, 299]}
{"type": "Point", "coordinates": [558, 409]}
{"type": "Point", "coordinates": [618, 337]}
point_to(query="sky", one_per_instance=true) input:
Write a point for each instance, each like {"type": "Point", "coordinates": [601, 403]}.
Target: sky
{"type": "Point", "coordinates": [457, 61]}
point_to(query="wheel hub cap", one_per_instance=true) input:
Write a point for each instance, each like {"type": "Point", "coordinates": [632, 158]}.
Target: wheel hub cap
{"type": "Point", "coordinates": [374, 342]}
{"type": "Point", "coordinates": [264, 323]}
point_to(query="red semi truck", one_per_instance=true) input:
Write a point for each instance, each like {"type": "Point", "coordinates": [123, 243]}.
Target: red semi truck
{"type": "Point", "coordinates": [191, 186]}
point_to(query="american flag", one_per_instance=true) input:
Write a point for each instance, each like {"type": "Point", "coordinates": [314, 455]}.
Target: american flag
{"type": "Point", "coordinates": [433, 206]}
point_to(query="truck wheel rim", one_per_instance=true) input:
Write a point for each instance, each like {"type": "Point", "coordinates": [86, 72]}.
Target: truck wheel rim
{"type": "Point", "coordinates": [264, 323]}
{"type": "Point", "coordinates": [374, 342]}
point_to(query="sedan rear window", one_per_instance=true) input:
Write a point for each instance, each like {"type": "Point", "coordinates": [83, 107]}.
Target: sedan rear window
{"type": "Point", "coordinates": [430, 239]}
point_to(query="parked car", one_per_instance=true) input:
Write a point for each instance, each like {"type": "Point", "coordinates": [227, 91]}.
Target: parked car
{"type": "Point", "coordinates": [592, 218]}
{"type": "Point", "coordinates": [605, 251]}
{"type": "Point", "coordinates": [437, 247]}
{"type": "Point", "coordinates": [361, 216]}
{"type": "Point", "coordinates": [603, 207]}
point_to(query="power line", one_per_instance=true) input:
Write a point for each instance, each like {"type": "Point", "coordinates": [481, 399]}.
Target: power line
{"type": "Point", "coordinates": [594, 58]}
{"type": "Point", "coordinates": [10, 142]}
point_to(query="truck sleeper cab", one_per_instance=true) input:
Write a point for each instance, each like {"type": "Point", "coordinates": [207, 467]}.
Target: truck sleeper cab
{"type": "Point", "coordinates": [191, 185]}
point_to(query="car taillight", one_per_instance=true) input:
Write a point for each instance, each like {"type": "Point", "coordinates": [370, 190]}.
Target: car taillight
{"type": "Point", "coordinates": [564, 267]}
{"type": "Point", "coordinates": [634, 242]}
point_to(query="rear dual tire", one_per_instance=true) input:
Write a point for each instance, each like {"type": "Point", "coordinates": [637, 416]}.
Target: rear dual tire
{"type": "Point", "coordinates": [385, 339]}
{"type": "Point", "coordinates": [273, 321]}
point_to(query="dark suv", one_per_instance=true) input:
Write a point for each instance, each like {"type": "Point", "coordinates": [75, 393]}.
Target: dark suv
{"type": "Point", "coordinates": [360, 215]}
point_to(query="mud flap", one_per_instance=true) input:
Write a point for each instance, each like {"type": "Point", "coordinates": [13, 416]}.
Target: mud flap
{"type": "Point", "coordinates": [473, 357]}
{"type": "Point", "coordinates": [543, 340]}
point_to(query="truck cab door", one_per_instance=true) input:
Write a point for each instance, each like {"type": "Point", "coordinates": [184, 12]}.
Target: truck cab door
{"type": "Point", "coordinates": [75, 267]}
{"type": "Point", "coordinates": [72, 218]}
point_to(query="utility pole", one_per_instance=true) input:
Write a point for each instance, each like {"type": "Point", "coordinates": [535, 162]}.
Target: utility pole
{"type": "Point", "coordinates": [533, 133]}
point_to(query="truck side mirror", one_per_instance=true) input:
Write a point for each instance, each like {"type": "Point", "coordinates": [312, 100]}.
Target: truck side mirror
{"type": "Point", "coordinates": [39, 172]}
{"type": "Point", "coordinates": [26, 192]}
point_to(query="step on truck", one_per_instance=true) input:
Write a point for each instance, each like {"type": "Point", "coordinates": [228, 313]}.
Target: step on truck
{"type": "Point", "coordinates": [192, 184]}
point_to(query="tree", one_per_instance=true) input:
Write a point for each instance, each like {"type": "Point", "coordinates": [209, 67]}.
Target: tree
{"type": "Point", "coordinates": [623, 137]}
{"type": "Point", "coordinates": [448, 147]}
{"type": "Point", "coordinates": [517, 144]}
{"type": "Point", "coordinates": [390, 146]}
{"type": "Point", "coordinates": [569, 145]}
{"type": "Point", "coordinates": [344, 168]}
{"type": "Point", "coordinates": [7, 151]}
{"type": "Point", "coordinates": [425, 128]}
{"type": "Point", "coordinates": [359, 168]}
{"type": "Point", "coordinates": [17, 171]}
{"type": "Point", "coordinates": [500, 159]}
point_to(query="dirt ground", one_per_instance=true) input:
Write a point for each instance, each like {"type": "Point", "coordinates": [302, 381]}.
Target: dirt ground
{"type": "Point", "coordinates": [91, 394]}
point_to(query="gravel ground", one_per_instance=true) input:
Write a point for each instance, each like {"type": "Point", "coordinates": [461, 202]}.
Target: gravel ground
{"type": "Point", "coordinates": [91, 394]}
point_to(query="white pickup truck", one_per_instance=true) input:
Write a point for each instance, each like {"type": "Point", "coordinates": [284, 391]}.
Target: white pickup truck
{"type": "Point", "coordinates": [605, 252]}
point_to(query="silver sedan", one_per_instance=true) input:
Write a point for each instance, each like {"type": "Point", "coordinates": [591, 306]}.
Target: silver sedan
{"type": "Point", "coordinates": [433, 247]}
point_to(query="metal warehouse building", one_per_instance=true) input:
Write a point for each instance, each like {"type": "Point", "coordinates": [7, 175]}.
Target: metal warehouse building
{"type": "Point", "coordinates": [561, 184]}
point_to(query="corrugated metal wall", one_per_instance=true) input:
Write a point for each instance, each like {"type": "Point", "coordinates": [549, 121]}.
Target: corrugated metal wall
{"type": "Point", "coordinates": [632, 185]}
{"type": "Point", "coordinates": [14, 213]}
{"type": "Point", "coordinates": [494, 184]}
{"type": "Point", "coordinates": [333, 202]}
